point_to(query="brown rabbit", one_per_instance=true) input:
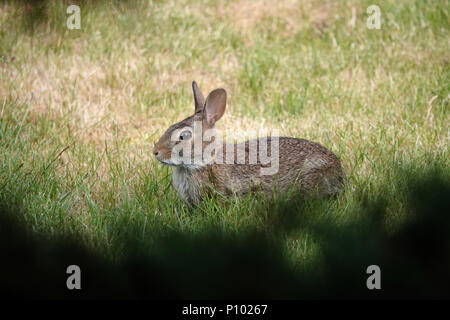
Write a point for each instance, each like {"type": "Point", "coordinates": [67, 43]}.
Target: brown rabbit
{"type": "Point", "coordinates": [203, 163]}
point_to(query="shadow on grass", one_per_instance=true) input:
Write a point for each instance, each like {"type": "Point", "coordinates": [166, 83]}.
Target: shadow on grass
{"type": "Point", "coordinates": [414, 259]}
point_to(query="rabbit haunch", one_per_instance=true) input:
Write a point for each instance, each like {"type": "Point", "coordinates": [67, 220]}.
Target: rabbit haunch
{"type": "Point", "coordinates": [202, 163]}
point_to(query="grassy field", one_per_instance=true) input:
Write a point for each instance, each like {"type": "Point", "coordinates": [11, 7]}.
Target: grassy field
{"type": "Point", "coordinates": [80, 110]}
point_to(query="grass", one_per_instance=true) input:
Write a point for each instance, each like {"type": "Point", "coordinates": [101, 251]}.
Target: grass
{"type": "Point", "coordinates": [81, 109]}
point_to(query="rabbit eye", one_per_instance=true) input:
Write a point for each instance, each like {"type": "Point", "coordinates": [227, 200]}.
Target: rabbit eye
{"type": "Point", "coordinates": [185, 135]}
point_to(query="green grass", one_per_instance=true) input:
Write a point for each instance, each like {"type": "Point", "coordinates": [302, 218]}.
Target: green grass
{"type": "Point", "coordinates": [81, 109]}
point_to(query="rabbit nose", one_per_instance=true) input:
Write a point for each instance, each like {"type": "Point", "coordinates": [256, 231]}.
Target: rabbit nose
{"type": "Point", "coordinates": [155, 151]}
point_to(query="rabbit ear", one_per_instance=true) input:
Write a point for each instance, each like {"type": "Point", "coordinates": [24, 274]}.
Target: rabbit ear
{"type": "Point", "coordinates": [198, 97]}
{"type": "Point", "coordinates": [215, 106]}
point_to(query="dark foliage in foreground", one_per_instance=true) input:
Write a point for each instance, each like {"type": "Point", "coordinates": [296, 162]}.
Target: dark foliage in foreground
{"type": "Point", "coordinates": [414, 259]}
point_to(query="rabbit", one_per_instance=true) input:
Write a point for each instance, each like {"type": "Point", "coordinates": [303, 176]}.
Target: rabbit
{"type": "Point", "coordinates": [203, 164]}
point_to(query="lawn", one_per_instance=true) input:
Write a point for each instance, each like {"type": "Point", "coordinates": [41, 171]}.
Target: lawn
{"type": "Point", "coordinates": [80, 111]}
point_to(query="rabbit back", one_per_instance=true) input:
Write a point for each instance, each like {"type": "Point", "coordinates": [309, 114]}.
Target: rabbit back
{"type": "Point", "coordinates": [303, 167]}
